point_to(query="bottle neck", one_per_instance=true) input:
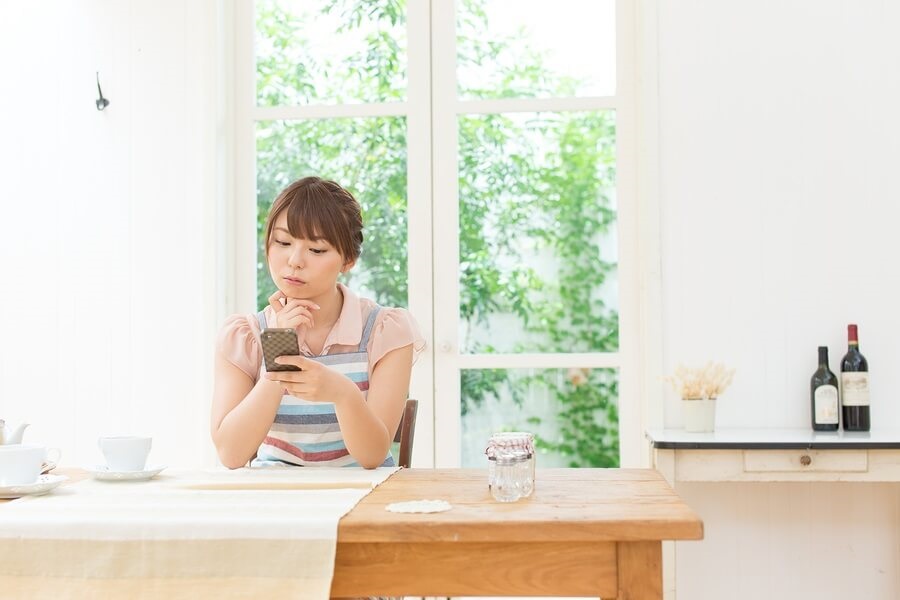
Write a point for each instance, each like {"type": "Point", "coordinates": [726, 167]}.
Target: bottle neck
{"type": "Point", "coordinates": [823, 356]}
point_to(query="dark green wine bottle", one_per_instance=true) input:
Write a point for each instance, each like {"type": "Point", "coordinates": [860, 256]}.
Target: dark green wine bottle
{"type": "Point", "coordinates": [823, 392]}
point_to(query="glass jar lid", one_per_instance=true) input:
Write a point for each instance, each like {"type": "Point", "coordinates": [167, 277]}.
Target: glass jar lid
{"type": "Point", "coordinates": [507, 441]}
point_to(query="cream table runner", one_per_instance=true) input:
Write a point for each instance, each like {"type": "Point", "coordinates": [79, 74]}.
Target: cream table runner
{"type": "Point", "coordinates": [249, 533]}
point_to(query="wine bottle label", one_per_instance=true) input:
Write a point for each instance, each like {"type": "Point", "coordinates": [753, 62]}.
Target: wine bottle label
{"type": "Point", "coordinates": [826, 400]}
{"type": "Point", "coordinates": [855, 388]}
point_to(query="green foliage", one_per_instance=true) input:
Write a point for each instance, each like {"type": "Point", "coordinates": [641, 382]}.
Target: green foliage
{"type": "Point", "coordinates": [367, 156]}
{"type": "Point", "coordinates": [533, 185]}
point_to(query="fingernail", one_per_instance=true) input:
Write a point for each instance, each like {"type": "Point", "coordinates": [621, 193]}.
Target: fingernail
{"type": "Point", "coordinates": [317, 307]}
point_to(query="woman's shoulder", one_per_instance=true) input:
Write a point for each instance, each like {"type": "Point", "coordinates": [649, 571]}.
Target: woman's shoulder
{"type": "Point", "coordinates": [239, 324]}
{"type": "Point", "coordinates": [393, 328]}
{"type": "Point", "coordinates": [238, 342]}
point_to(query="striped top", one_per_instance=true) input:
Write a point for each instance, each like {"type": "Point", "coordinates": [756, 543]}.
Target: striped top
{"type": "Point", "coordinates": [307, 433]}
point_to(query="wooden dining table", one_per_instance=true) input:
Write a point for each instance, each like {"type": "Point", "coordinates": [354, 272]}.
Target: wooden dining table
{"type": "Point", "coordinates": [583, 532]}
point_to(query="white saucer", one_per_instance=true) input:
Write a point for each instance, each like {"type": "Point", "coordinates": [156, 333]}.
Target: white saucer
{"type": "Point", "coordinates": [44, 484]}
{"type": "Point", "coordinates": [103, 473]}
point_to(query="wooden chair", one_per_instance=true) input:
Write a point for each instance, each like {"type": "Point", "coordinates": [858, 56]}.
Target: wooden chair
{"type": "Point", "coordinates": [406, 433]}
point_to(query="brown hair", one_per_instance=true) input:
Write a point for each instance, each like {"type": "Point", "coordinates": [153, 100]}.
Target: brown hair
{"type": "Point", "coordinates": [320, 209]}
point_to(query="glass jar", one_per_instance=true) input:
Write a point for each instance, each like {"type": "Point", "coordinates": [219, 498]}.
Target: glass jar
{"type": "Point", "coordinates": [511, 476]}
{"type": "Point", "coordinates": [509, 442]}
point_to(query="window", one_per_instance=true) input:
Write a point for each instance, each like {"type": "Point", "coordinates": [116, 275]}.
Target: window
{"type": "Point", "coordinates": [484, 140]}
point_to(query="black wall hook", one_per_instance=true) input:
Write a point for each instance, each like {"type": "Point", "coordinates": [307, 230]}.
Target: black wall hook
{"type": "Point", "coordinates": [101, 101]}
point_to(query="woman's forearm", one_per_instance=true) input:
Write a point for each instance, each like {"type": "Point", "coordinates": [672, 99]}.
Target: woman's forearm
{"type": "Point", "coordinates": [243, 429]}
{"type": "Point", "coordinates": [366, 437]}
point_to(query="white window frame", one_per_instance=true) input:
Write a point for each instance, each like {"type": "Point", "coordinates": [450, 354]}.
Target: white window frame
{"type": "Point", "coordinates": [417, 110]}
{"type": "Point", "coordinates": [449, 361]}
{"type": "Point", "coordinates": [431, 109]}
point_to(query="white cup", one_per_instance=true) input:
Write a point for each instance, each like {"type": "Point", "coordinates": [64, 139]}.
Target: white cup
{"type": "Point", "coordinates": [125, 453]}
{"type": "Point", "coordinates": [20, 464]}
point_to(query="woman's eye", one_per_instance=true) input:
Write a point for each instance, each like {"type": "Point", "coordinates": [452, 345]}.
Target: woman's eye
{"type": "Point", "coordinates": [280, 243]}
{"type": "Point", "coordinates": [318, 250]}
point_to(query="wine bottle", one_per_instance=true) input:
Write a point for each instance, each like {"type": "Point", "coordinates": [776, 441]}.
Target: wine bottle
{"type": "Point", "coordinates": [823, 389]}
{"type": "Point", "coordinates": [854, 385]}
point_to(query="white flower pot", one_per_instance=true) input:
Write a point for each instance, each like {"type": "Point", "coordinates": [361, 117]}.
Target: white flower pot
{"type": "Point", "coordinates": [699, 415]}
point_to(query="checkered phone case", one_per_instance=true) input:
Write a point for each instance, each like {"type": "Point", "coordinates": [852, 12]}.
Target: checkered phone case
{"type": "Point", "coordinates": [279, 342]}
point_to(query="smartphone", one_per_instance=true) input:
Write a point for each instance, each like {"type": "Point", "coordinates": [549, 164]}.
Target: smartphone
{"type": "Point", "coordinates": [279, 342]}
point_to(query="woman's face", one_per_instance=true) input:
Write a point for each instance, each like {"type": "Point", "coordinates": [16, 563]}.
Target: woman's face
{"type": "Point", "coordinates": [302, 268]}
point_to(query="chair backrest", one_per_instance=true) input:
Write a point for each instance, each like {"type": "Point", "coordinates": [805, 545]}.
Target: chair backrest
{"type": "Point", "coordinates": [406, 433]}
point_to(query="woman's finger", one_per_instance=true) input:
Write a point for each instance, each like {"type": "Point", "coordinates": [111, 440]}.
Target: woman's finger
{"type": "Point", "coordinates": [294, 320]}
{"type": "Point", "coordinates": [302, 302]}
{"type": "Point", "coordinates": [297, 360]}
{"type": "Point", "coordinates": [291, 310]}
{"type": "Point", "coordinates": [285, 377]}
{"type": "Point", "coordinates": [308, 367]}
{"type": "Point", "coordinates": [275, 300]}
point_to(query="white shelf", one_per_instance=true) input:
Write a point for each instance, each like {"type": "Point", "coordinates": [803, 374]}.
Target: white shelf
{"type": "Point", "coordinates": [767, 455]}
{"type": "Point", "coordinates": [768, 439]}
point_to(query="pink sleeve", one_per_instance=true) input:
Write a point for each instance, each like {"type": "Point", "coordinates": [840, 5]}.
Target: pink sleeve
{"type": "Point", "coordinates": [394, 328]}
{"type": "Point", "coordinates": [237, 343]}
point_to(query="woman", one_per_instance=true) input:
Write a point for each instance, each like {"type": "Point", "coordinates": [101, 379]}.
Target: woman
{"type": "Point", "coordinates": [343, 406]}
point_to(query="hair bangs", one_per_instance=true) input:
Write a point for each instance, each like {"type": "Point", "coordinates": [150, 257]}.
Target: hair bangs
{"type": "Point", "coordinates": [319, 209]}
{"type": "Point", "coordinates": [314, 216]}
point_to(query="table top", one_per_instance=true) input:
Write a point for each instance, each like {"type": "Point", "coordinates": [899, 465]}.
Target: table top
{"type": "Point", "coordinates": [773, 439]}
{"type": "Point", "coordinates": [567, 505]}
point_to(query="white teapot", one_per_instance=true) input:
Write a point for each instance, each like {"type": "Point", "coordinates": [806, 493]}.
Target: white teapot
{"type": "Point", "coordinates": [8, 435]}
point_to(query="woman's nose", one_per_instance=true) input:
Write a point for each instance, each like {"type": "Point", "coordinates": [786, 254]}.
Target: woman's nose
{"type": "Point", "coordinates": [295, 260]}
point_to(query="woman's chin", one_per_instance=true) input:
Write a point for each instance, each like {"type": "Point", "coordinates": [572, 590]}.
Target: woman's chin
{"type": "Point", "coordinates": [292, 293]}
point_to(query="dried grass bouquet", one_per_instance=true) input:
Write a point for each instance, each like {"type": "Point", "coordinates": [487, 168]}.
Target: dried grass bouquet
{"type": "Point", "coordinates": [701, 383]}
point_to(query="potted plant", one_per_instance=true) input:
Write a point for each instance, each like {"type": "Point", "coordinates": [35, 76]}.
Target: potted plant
{"type": "Point", "coordinates": [698, 388]}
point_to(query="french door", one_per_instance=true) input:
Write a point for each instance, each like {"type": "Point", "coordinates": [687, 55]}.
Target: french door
{"type": "Point", "coordinates": [491, 145]}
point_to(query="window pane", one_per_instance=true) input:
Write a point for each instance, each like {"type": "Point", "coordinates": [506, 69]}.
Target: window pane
{"type": "Point", "coordinates": [535, 48]}
{"type": "Point", "coordinates": [368, 157]}
{"type": "Point", "coordinates": [330, 51]}
{"type": "Point", "coordinates": [572, 412]}
{"type": "Point", "coordinates": [538, 248]}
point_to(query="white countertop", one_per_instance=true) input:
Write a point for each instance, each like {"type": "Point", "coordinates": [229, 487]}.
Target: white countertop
{"type": "Point", "coordinates": [737, 438]}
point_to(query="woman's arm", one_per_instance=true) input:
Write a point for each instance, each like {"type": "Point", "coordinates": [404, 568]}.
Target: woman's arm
{"type": "Point", "coordinates": [367, 426]}
{"type": "Point", "coordinates": [241, 412]}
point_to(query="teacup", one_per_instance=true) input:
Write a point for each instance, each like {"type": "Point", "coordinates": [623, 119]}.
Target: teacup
{"type": "Point", "coordinates": [125, 453]}
{"type": "Point", "coordinates": [20, 464]}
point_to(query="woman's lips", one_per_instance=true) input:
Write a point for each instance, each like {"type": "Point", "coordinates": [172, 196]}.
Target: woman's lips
{"type": "Point", "coordinates": [294, 281]}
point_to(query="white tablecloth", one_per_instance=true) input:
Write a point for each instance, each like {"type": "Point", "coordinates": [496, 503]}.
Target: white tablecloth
{"type": "Point", "coordinates": [219, 534]}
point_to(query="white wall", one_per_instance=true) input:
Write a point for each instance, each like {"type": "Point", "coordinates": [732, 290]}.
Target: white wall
{"type": "Point", "coordinates": [779, 140]}
{"type": "Point", "coordinates": [107, 223]}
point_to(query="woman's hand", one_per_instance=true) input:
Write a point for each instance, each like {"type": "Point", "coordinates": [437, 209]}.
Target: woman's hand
{"type": "Point", "coordinates": [291, 313]}
{"type": "Point", "coordinates": [315, 382]}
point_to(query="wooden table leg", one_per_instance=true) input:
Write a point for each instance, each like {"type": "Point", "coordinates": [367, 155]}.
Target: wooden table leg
{"type": "Point", "coordinates": [640, 570]}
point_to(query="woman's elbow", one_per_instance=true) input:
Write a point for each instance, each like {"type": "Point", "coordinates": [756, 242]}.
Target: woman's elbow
{"type": "Point", "coordinates": [371, 462]}
{"type": "Point", "coordinates": [227, 456]}
{"type": "Point", "coordinates": [230, 461]}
